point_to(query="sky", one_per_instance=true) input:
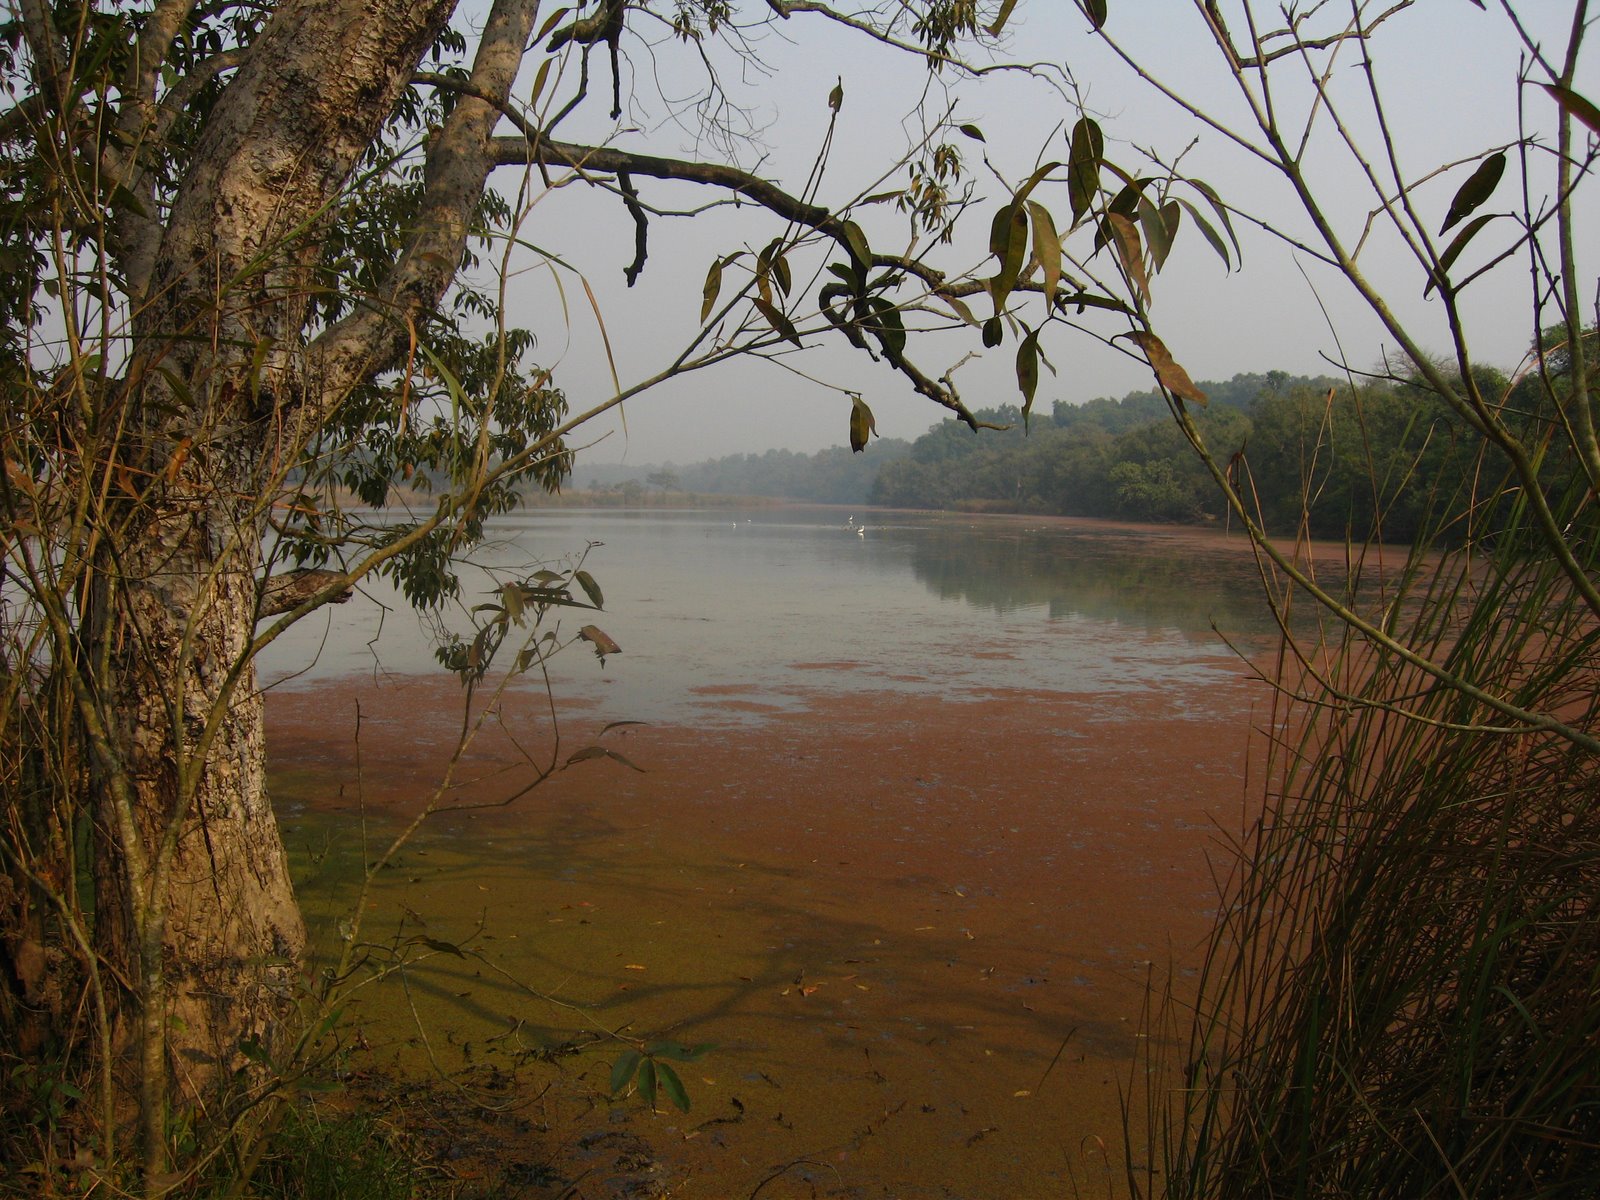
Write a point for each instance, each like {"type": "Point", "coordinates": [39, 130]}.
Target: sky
{"type": "Point", "coordinates": [1446, 72]}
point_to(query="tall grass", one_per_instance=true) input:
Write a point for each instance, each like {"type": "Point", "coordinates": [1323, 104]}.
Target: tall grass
{"type": "Point", "coordinates": [1402, 995]}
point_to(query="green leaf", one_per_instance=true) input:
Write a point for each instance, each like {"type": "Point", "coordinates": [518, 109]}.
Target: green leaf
{"type": "Point", "coordinates": [1457, 245]}
{"type": "Point", "coordinates": [710, 291]}
{"type": "Point", "coordinates": [856, 242]}
{"type": "Point", "coordinates": [1047, 249]}
{"type": "Point", "coordinates": [1011, 223]}
{"type": "Point", "coordinates": [551, 22]}
{"type": "Point", "coordinates": [673, 1087]}
{"type": "Point", "coordinates": [836, 96]}
{"type": "Point", "coordinates": [847, 272]}
{"type": "Point", "coordinates": [973, 132]}
{"type": "Point", "coordinates": [1028, 370]}
{"type": "Point", "coordinates": [539, 80]}
{"type": "Point", "coordinates": [1210, 233]}
{"type": "Point", "coordinates": [1156, 235]}
{"type": "Point", "coordinates": [1217, 206]}
{"type": "Point", "coordinates": [959, 307]}
{"type": "Point", "coordinates": [254, 1051]}
{"type": "Point", "coordinates": [1575, 105]}
{"type": "Point", "coordinates": [647, 1082]}
{"type": "Point", "coordinates": [781, 324]}
{"type": "Point", "coordinates": [1002, 17]}
{"type": "Point", "coordinates": [590, 588]}
{"type": "Point", "coordinates": [994, 332]}
{"type": "Point", "coordinates": [437, 945]}
{"type": "Point", "coordinates": [1033, 181]}
{"type": "Point", "coordinates": [1479, 187]}
{"type": "Point", "coordinates": [886, 323]}
{"type": "Point", "coordinates": [1083, 166]}
{"type": "Point", "coordinates": [862, 424]}
{"type": "Point", "coordinates": [1095, 10]}
{"type": "Point", "coordinates": [622, 1070]}
{"type": "Point", "coordinates": [765, 265]}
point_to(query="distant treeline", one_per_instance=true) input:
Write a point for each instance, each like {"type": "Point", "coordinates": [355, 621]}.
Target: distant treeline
{"type": "Point", "coordinates": [1366, 461]}
{"type": "Point", "coordinates": [834, 476]}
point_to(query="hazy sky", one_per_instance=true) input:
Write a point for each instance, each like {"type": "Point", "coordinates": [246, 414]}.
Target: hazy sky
{"type": "Point", "coordinates": [1447, 73]}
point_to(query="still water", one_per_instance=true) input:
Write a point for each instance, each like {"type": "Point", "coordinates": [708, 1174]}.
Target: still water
{"type": "Point", "coordinates": [713, 607]}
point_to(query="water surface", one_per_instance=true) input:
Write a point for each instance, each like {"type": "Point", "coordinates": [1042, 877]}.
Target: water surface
{"type": "Point", "coordinates": [712, 607]}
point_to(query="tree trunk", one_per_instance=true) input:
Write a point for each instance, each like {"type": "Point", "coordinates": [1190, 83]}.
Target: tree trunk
{"type": "Point", "coordinates": [197, 917]}
{"type": "Point", "coordinates": [203, 923]}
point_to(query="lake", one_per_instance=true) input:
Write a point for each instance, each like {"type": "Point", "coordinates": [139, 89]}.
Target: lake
{"type": "Point", "coordinates": [921, 812]}
{"type": "Point", "coordinates": [751, 603]}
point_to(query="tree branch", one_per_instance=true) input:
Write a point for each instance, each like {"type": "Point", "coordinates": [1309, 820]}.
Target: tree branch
{"type": "Point", "coordinates": [288, 591]}
{"type": "Point", "coordinates": [460, 158]}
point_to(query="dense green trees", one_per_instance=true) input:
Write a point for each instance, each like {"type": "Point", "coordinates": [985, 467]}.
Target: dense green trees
{"type": "Point", "coordinates": [1380, 461]}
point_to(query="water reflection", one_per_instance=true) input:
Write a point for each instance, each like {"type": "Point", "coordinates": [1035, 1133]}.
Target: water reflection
{"type": "Point", "coordinates": [754, 606]}
{"type": "Point", "coordinates": [1151, 580]}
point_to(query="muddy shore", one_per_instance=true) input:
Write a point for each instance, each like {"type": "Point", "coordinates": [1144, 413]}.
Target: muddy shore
{"type": "Point", "coordinates": [919, 929]}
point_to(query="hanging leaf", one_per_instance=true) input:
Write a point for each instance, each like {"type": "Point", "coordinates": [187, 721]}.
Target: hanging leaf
{"type": "Point", "coordinates": [1156, 235]}
{"type": "Point", "coordinates": [862, 424]}
{"type": "Point", "coordinates": [856, 242]}
{"type": "Point", "coordinates": [600, 640]}
{"type": "Point", "coordinates": [1095, 10]}
{"type": "Point", "coordinates": [1011, 224]}
{"type": "Point", "coordinates": [993, 333]}
{"type": "Point", "coordinates": [1034, 180]}
{"type": "Point", "coordinates": [1218, 207]}
{"type": "Point", "coordinates": [1028, 370]}
{"type": "Point", "coordinates": [1457, 245]}
{"type": "Point", "coordinates": [1209, 232]}
{"type": "Point", "coordinates": [768, 266]}
{"type": "Point", "coordinates": [1125, 237]}
{"type": "Point", "coordinates": [886, 323]}
{"type": "Point", "coordinates": [781, 325]}
{"type": "Point", "coordinates": [1170, 375]}
{"type": "Point", "coordinates": [1083, 166]}
{"type": "Point", "coordinates": [712, 288]}
{"type": "Point", "coordinates": [973, 132]}
{"type": "Point", "coordinates": [1575, 105]}
{"type": "Point", "coordinates": [590, 588]}
{"type": "Point", "coordinates": [959, 307]}
{"type": "Point", "coordinates": [1047, 249]}
{"type": "Point", "coordinates": [1479, 187]}
{"type": "Point", "coordinates": [1002, 17]}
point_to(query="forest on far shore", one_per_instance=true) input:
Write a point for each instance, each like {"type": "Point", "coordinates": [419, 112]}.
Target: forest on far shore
{"type": "Point", "coordinates": [1370, 461]}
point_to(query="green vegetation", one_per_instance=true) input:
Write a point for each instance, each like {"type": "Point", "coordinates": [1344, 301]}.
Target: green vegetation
{"type": "Point", "coordinates": [1379, 462]}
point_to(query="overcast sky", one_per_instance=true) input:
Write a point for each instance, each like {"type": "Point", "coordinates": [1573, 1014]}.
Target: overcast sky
{"type": "Point", "coordinates": [1447, 72]}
